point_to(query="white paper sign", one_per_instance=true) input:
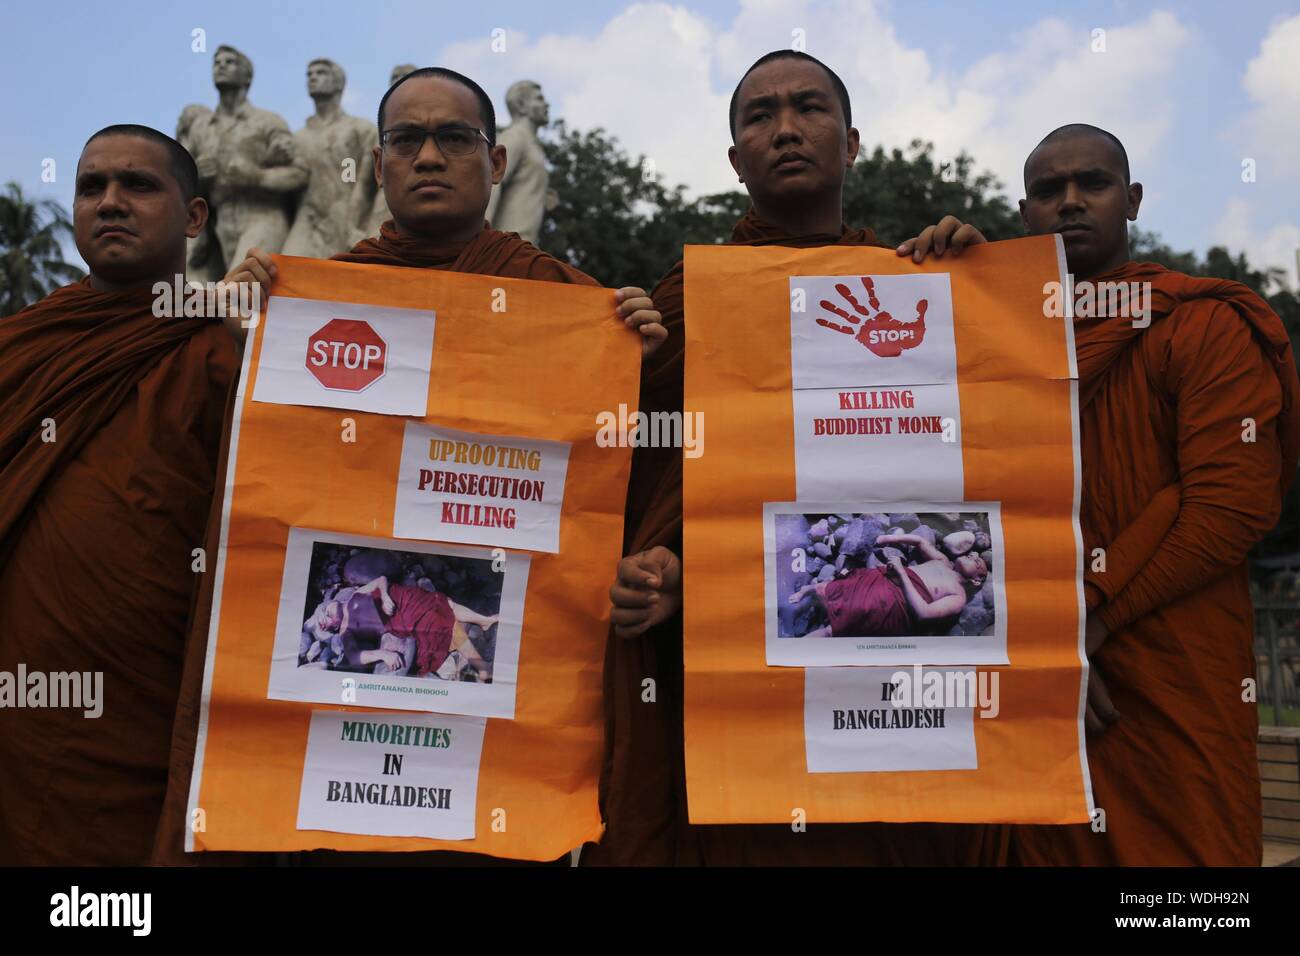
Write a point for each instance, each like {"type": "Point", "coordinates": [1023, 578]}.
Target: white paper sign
{"type": "Point", "coordinates": [462, 619]}
{"type": "Point", "coordinates": [480, 489]}
{"type": "Point", "coordinates": [852, 725]}
{"type": "Point", "coordinates": [366, 358]}
{"type": "Point", "coordinates": [878, 443]}
{"type": "Point", "coordinates": [883, 330]}
{"type": "Point", "coordinates": [403, 775]}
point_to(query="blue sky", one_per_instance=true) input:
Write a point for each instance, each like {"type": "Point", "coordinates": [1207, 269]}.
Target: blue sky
{"type": "Point", "coordinates": [1193, 88]}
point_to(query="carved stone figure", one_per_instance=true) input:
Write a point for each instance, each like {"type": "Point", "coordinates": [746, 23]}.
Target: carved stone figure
{"type": "Point", "coordinates": [246, 162]}
{"type": "Point", "coordinates": [202, 255]}
{"type": "Point", "coordinates": [519, 201]}
{"type": "Point", "coordinates": [334, 147]}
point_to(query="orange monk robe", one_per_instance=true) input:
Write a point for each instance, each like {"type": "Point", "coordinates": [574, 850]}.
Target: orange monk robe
{"type": "Point", "coordinates": [490, 252]}
{"type": "Point", "coordinates": [97, 531]}
{"type": "Point", "coordinates": [1177, 775]}
{"type": "Point", "coordinates": [643, 780]}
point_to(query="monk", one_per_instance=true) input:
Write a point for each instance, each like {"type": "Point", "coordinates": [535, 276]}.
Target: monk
{"type": "Point", "coordinates": [432, 623]}
{"type": "Point", "coordinates": [1186, 383]}
{"type": "Point", "coordinates": [108, 452]}
{"type": "Point", "coordinates": [794, 143]}
{"type": "Point", "coordinates": [896, 599]}
{"type": "Point", "coordinates": [436, 161]}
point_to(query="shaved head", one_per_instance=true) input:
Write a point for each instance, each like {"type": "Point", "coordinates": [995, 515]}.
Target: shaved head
{"type": "Point", "coordinates": [182, 164]}
{"type": "Point", "coordinates": [133, 208]}
{"type": "Point", "coordinates": [841, 92]}
{"type": "Point", "coordinates": [1073, 130]}
{"type": "Point", "coordinates": [793, 141]}
{"type": "Point", "coordinates": [1077, 184]}
{"type": "Point", "coordinates": [487, 115]}
{"type": "Point", "coordinates": [431, 192]}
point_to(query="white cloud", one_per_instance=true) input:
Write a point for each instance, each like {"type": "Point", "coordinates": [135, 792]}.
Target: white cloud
{"type": "Point", "coordinates": [1272, 247]}
{"type": "Point", "coordinates": [1269, 135]}
{"type": "Point", "coordinates": [645, 77]}
{"type": "Point", "coordinates": [1271, 129]}
{"type": "Point", "coordinates": [897, 94]}
{"type": "Point", "coordinates": [659, 77]}
{"type": "Point", "coordinates": [1051, 77]}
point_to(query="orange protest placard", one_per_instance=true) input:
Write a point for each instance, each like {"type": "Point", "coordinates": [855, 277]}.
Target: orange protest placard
{"type": "Point", "coordinates": [883, 584]}
{"type": "Point", "coordinates": [411, 600]}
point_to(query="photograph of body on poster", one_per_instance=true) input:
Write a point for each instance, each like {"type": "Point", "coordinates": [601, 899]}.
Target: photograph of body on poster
{"type": "Point", "coordinates": [407, 625]}
{"type": "Point", "coordinates": [871, 583]}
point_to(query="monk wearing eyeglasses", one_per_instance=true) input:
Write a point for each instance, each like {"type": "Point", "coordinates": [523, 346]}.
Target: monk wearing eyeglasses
{"type": "Point", "coordinates": [436, 161]}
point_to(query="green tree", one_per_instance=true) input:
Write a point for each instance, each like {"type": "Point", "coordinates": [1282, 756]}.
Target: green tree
{"type": "Point", "coordinates": [620, 223]}
{"type": "Point", "coordinates": [31, 252]}
{"type": "Point", "coordinates": [614, 219]}
{"type": "Point", "coordinates": [1219, 263]}
{"type": "Point", "coordinates": [899, 193]}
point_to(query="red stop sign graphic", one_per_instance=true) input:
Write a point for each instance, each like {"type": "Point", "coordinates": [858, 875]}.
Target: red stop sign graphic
{"type": "Point", "coordinates": [347, 355]}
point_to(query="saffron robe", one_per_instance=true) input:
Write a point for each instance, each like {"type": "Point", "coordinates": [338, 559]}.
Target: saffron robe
{"type": "Point", "coordinates": [425, 616]}
{"type": "Point", "coordinates": [1204, 399]}
{"type": "Point", "coordinates": [98, 529]}
{"type": "Point", "coordinates": [868, 602]}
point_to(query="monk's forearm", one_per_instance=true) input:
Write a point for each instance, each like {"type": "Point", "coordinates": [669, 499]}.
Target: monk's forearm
{"type": "Point", "coordinates": [927, 549]}
{"type": "Point", "coordinates": [1227, 399]}
{"type": "Point", "coordinates": [915, 540]}
{"type": "Point", "coordinates": [901, 538]}
{"type": "Point", "coordinates": [1179, 569]}
{"type": "Point", "coordinates": [1205, 542]}
{"type": "Point", "coordinates": [1134, 547]}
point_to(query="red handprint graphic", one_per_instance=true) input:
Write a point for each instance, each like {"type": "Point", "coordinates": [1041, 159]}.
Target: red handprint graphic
{"type": "Point", "coordinates": [881, 333]}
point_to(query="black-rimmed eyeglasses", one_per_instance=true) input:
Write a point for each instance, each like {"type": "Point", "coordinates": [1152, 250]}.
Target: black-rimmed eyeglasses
{"type": "Point", "coordinates": [407, 141]}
